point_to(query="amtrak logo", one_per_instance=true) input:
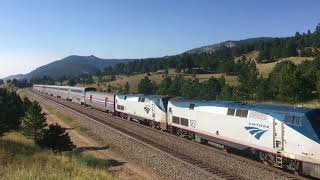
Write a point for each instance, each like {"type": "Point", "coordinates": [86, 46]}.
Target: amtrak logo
{"type": "Point", "coordinates": [256, 132]}
{"type": "Point", "coordinates": [147, 109]}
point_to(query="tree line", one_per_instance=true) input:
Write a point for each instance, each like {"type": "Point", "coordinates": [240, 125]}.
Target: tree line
{"type": "Point", "coordinates": [287, 83]}
{"type": "Point", "coordinates": [24, 116]}
{"type": "Point", "coordinates": [222, 59]}
{"type": "Point", "coordinates": [22, 83]}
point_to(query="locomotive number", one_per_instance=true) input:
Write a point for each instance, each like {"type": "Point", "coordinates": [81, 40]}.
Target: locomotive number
{"type": "Point", "coordinates": [193, 123]}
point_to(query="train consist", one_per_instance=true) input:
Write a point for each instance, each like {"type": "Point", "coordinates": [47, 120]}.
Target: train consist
{"type": "Point", "coordinates": [285, 137]}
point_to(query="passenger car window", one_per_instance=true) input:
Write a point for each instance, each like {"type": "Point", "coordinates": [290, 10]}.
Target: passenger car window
{"type": "Point", "coordinates": [184, 122]}
{"type": "Point", "coordinates": [296, 120]}
{"type": "Point", "coordinates": [287, 119]}
{"type": "Point", "coordinates": [231, 111]}
{"type": "Point", "coordinates": [242, 113]}
{"type": "Point", "coordinates": [175, 119]}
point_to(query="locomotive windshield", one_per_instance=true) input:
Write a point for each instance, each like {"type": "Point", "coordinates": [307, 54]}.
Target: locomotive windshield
{"type": "Point", "coordinates": [314, 118]}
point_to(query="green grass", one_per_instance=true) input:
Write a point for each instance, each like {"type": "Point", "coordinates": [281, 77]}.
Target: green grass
{"type": "Point", "coordinates": [92, 161]}
{"type": "Point", "coordinates": [21, 159]}
{"type": "Point", "coordinates": [62, 117]}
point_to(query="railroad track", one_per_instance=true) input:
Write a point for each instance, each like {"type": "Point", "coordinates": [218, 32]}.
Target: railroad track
{"type": "Point", "coordinates": [214, 170]}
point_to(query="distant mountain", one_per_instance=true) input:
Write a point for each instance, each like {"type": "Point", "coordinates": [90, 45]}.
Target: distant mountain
{"type": "Point", "coordinates": [212, 48]}
{"type": "Point", "coordinates": [17, 76]}
{"type": "Point", "coordinates": [73, 66]}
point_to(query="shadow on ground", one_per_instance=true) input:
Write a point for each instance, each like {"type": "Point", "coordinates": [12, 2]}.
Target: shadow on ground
{"type": "Point", "coordinates": [90, 148]}
{"type": "Point", "coordinates": [93, 161]}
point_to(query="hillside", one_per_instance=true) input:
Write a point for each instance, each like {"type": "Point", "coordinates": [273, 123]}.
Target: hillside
{"type": "Point", "coordinates": [157, 77]}
{"type": "Point", "coordinates": [73, 66]}
{"type": "Point", "coordinates": [20, 158]}
{"type": "Point", "coordinates": [16, 76]}
{"type": "Point", "coordinates": [213, 47]}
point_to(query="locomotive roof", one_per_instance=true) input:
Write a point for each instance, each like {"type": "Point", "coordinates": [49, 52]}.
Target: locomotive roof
{"type": "Point", "coordinates": [235, 104]}
{"type": "Point", "coordinates": [142, 95]}
{"type": "Point", "coordinates": [68, 87]}
{"type": "Point", "coordinates": [99, 92]}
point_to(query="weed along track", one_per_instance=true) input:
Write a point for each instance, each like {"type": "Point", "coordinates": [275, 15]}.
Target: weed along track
{"type": "Point", "coordinates": [207, 161]}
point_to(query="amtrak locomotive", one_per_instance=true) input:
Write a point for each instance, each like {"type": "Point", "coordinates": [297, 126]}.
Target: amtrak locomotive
{"type": "Point", "coordinates": [285, 137]}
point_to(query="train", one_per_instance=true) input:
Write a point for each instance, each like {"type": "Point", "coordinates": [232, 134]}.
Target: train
{"type": "Point", "coordinates": [282, 136]}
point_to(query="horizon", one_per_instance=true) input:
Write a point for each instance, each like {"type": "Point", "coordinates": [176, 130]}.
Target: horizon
{"type": "Point", "coordinates": [35, 33]}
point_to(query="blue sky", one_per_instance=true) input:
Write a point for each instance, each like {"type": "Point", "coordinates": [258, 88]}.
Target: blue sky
{"type": "Point", "coordinates": [36, 32]}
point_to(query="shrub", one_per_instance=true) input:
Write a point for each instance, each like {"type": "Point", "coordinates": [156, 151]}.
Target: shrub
{"type": "Point", "coordinates": [56, 139]}
{"type": "Point", "coordinates": [34, 122]}
{"type": "Point", "coordinates": [11, 111]}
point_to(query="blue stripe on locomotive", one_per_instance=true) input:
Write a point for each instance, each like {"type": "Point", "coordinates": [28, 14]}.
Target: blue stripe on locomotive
{"type": "Point", "coordinates": [305, 128]}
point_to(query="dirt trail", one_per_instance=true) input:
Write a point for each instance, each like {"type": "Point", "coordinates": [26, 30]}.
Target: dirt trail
{"type": "Point", "coordinates": [87, 145]}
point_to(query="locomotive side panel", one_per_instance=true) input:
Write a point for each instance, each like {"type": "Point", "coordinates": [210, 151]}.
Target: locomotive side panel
{"type": "Point", "coordinates": [215, 122]}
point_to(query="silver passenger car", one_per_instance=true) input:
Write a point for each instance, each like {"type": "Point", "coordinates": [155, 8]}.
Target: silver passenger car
{"type": "Point", "coordinates": [100, 100]}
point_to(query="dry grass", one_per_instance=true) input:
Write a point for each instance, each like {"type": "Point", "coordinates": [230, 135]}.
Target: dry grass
{"type": "Point", "coordinates": [20, 159]}
{"type": "Point", "coordinates": [265, 69]}
{"type": "Point", "coordinates": [311, 104]}
{"type": "Point", "coordinates": [158, 77]}
{"type": "Point", "coordinates": [315, 103]}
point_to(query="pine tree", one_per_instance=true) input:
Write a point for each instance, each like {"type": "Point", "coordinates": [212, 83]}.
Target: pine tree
{"type": "Point", "coordinates": [120, 90]}
{"type": "Point", "coordinates": [56, 138]}
{"type": "Point", "coordinates": [176, 85]}
{"type": "Point", "coordinates": [212, 88]}
{"type": "Point", "coordinates": [264, 89]}
{"type": "Point", "coordinates": [11, 111]}
{"type": "Point", "coordinates": [164, 86]}
{"type": "Point", "coordinates": [146, 86]}
{"type": "Point", "coordinates": [284, 83]}
{"type": "Point", "coordinates": [34, 122]}
{"type": "Point", "coordinates": [113, 78]}
{"type": "Point", "coordinates": [248, 78]}
{"type": "Point", "coordinates": [318, 28]}
{"type": "Point", "coordinates": [109, 88]}
{"type": "Point", "coordinates": [72, 82]}
{"type": "Point", "coordinates": [127, 87]}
